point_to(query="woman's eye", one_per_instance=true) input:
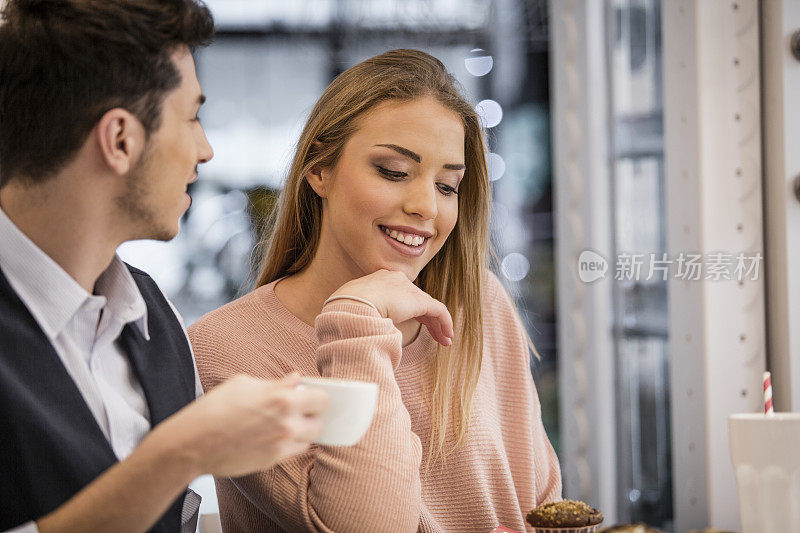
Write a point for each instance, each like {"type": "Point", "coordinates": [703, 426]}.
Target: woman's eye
{"type": "Point", "coordinates": [391, 174]}
{"type": "Point", "coordinates": [447, 190]}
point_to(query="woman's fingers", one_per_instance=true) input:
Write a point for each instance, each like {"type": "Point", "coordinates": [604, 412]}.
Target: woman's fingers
{"type": "Point", "coordinates": [437, 319]}
{"type": "Point", "coordinates": [435, 330]}
{"type": "Point", "coordinates": [442, 316]}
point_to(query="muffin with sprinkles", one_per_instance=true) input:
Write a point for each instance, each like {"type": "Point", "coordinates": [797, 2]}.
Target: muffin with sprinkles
{"type": "Point", "coordinates": [566, 516]}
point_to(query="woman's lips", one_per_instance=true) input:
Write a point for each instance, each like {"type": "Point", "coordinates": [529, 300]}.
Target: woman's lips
{"type": "Point", "coordinates": [409, 251]}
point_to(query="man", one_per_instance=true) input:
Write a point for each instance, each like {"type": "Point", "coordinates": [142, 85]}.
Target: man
{"type": "Point", "coordinates": [99, 139]}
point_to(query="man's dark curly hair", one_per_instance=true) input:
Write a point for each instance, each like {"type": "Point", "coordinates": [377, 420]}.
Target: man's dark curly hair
{"type": "Point", "coordinates": [65, 63]}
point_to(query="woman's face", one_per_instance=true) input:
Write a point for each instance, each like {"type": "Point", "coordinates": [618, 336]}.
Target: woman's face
{"type": "Point", "coordinates": [391, 201]}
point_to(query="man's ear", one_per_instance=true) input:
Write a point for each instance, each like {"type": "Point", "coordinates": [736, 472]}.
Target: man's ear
{"type": "Point", "coordinates": [319, 179]}
{"type": "Point", "coordinates": [121, 139]}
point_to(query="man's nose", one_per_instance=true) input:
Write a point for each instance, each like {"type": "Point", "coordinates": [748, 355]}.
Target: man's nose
{"type": "Point", "coordinates": [206, 153]}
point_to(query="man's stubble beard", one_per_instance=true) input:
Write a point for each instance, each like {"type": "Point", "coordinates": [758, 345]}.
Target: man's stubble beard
{"type": "Point", "coordinates": [135, 205]}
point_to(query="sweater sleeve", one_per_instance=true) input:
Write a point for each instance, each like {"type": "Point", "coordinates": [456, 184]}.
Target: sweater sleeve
{"type": "Point", "coordinates": [373, 485]}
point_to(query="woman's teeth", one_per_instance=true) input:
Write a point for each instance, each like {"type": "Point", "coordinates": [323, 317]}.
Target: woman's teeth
{"type": "Point", "coordinates": [405, 238]}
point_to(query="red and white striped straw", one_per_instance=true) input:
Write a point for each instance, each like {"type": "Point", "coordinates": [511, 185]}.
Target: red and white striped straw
{"type": "Point", "coordinates": [768, 410]}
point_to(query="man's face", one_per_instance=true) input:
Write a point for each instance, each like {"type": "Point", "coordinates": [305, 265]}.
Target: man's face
{"type": "Point", "coordinates": [155, 195]}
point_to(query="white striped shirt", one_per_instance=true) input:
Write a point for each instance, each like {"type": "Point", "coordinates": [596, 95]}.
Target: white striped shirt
{"type": "Point", "coordinates": [83, 329]}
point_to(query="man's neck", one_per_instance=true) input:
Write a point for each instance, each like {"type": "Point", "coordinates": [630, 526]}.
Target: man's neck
{"type": "Point", "coordinates": [66, 223]}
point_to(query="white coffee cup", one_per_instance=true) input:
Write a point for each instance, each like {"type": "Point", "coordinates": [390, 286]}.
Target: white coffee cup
{"type": "Point", "coordinates": [350, 410]}
{"type": "Point", "coordinates": [765, 451]}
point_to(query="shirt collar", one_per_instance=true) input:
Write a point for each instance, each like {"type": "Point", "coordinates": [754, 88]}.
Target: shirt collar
{"type": "Point", "coordinates": [124, 298]}
{"type": "Point", "coordinates": [52, 296]}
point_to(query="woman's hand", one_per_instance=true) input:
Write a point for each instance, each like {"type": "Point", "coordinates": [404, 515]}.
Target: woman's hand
{"type": "Point", "coordinates": [397, 298]}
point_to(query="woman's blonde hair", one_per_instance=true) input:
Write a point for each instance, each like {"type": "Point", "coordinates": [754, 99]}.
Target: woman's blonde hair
{"type": "Point", "coordinates": [455, 275]}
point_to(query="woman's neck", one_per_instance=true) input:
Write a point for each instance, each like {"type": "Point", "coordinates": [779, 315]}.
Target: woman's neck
{"type": "Point", "coordinates": [304, 293]}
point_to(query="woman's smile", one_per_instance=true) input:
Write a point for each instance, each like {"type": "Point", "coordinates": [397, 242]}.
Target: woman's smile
{"type": "Point", "coordinates": [410, 244]}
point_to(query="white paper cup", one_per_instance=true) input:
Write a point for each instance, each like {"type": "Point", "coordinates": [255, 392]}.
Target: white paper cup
{"type": "Point", "coordinates": [350, 411]}
{"type": "Point", "coordinates": [765, 451]}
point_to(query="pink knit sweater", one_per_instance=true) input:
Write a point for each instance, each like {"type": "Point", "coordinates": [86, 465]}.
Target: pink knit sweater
{"type": "Point", "coordinates": [505, 468]}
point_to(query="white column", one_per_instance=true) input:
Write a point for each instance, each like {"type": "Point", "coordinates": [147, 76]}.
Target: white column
{"type": "Point", "coordinates": [583, 220]}
{"type": "Point", "coordinates": [781, 82]}
{"type": "Point", "coordinates": [713, 181]}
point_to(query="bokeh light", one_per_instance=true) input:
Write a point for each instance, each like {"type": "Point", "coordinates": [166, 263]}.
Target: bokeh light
{"type": "Point", "coordinates": [479, 63]}
{"type": "Point", "coordinates": [497, 167]}
{"type": "Point", "coordinates": [489, 112]}
{"type": "Point", "coordinates": [515, 266]}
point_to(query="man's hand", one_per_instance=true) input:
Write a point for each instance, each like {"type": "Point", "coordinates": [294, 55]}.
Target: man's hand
{"type": "Point", "coordinates": [400, 300]}
{"type": "Point", "coordinates": [244, 425]}
{"type": "Point", "coordinates": [248, 424]}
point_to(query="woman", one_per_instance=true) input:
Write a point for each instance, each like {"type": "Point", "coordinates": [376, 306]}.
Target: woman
{"type": "Point", "coordinates": [382, 226]}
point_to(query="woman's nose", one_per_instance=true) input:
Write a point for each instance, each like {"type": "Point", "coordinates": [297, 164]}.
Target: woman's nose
{"type": "Point", "coordinates": [421, 199]}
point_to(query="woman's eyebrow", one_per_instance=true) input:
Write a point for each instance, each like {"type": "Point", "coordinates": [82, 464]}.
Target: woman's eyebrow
{"type": "Point", "coordinates": [405, 151]}
{"type": "Point", "coordinates": [415, 156]}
